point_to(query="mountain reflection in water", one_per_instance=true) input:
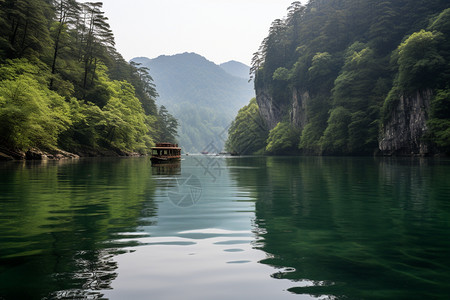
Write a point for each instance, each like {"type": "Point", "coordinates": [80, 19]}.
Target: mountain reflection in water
{"type": "Point", "coordinates": [221, 228]}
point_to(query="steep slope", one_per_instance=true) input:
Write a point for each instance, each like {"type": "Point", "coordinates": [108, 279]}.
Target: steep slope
{"type": "Point", "coordinates": [346, 77]}
{"type": "Point", "coordinates": [201, 95]}
{"type": "Point", "coordinates": [64, 87]}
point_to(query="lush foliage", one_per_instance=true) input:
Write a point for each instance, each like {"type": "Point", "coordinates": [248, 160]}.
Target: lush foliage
{"type": "Point", "coordinates": [439, 122]}
{"type": "Point", "coordinates": [355, 59]}
{"type": "Point", "coordinates": [63, 85]}
{"type": "Point", "coordinates": [30, 113]}
{"type": "Point", "coordinates": [282, 139]}
{"type": "Point", "coordinates": [248, 132]}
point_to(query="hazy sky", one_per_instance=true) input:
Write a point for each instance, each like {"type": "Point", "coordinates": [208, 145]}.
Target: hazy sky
{"type": "Point", "coordinates": [220, 30]}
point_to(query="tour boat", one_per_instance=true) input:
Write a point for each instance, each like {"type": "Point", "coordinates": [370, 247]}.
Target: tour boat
{"type": "Point", "coordinates": [165, 152]}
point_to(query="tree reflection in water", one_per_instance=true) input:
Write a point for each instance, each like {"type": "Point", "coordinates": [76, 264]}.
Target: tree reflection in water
{"type": "Point", "coordinates": [65, 222]}
{"type": "Point", "coordinates": [353, 228]}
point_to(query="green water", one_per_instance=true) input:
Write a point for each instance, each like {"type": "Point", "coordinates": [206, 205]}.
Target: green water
{"type": "Point", "coordinates": [226, 228]}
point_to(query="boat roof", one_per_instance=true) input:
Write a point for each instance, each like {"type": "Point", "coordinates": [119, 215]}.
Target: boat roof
{"type": "Point", "coordinates": [166, 146]}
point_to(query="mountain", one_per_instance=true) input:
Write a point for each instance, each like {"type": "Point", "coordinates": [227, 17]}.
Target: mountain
{"type": "Point", "coordinates": [201, 95]}
{"type": "Point", "coordinates": [333, 79]}
{"type": "Point", "coordinates": [236, 69]}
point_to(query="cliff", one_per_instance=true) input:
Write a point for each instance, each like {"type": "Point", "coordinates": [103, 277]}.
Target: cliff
{"type": "Point", "coordinates": [332, 80]}
{"type": "Point", "coordinates": [272, 112]}
{"type": "Point", "coordinates": [404, 131]}
{"type": "Point", "coordinates": [269, 110]}
{"type": "Point", "coordinates": [402, 134]}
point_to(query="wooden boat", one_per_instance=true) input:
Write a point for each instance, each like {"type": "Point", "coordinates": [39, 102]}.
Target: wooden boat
{"type": "Point", "coordinates": [165, 152]}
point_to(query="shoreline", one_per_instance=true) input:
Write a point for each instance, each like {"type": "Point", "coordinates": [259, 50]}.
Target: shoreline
{"type": "Point", "coordinates": [58, 154]}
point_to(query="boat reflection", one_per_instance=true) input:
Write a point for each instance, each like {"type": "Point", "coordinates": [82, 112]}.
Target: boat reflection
{"type": "Point", "coordinates": [167, 168]}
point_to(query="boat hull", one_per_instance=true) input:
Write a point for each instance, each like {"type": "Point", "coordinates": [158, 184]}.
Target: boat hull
{"type": "Point", "coordinates": [155, 159]}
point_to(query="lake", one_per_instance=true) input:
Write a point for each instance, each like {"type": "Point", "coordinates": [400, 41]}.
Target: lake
{"type": "Point", "coordinates": [226, 228]}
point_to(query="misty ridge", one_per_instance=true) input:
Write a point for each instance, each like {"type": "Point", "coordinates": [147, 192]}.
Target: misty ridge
{"type": "Point", "coordinates": [203, 96]}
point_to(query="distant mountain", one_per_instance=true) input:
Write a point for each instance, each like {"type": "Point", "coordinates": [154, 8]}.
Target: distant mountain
{"type": "Point", "coordinates": [236, 68]}
{"type": "Point", "coordinates": [201, 95]}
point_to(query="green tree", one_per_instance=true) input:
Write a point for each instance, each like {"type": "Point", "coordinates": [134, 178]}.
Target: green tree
{"type": "Point", "coordinates": [85, 133]}
{"type": "Point", "coordinates": [282, 139]}
{"type": "Point", "coordinates": [439, 122]}
{"type": "Point", "coordinates": [442, 23]}
{"type": "Point", "coordinates": [97, 39]}
{"type": "Point", "coordinates": [363, 132]}
{"type": "Point", "coordinates": [26, 31]}
{"type": "Point", "coordinates": [322, 72]}
{"type": "Point", "coordinates": [359, 75]}
{"type": "Point", "coordinates": [380, 32]}
{"type": "Point", "coordinates": [317, 113]}
{"type": "Point", "coordinates": [66, 50]}
{"type": "Point", "coordinates": [125, 122]}
{"type": "Point", "coordinates": [146, 84]}
{"type": "Point", "coordinates": [67, 12]}
{"type": "Point", "coordinates": [168, 125]}
{"type": "Point", "coordinates": [419, 62]}
{"type": "Point", "coordinates": [335, 138]}
{"type": "Point", "coordinates": [281, 74]}
{"type": "Point", "coordinates": [248, 132]}
{"type": "Point", "coordinates": [30, 115]}
{"type": "Point", "coordinates": [340, 51]}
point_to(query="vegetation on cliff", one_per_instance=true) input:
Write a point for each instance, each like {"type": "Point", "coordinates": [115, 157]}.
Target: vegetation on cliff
{"type": "Point", "coordinates": [354, 60]}
{"type": "Point", "coordinates": [247, 133]}
{"type": "Point", "coordinates": [63, 85]}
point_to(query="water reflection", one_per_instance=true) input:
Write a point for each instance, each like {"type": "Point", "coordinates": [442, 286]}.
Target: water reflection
{"type": "Point", "coordinates": [255, 227]}
{"type": "Point", "coordinates": [169, 168]}
{"type": "Point", "coordinates": [56, 217]}
{"type": "Point", "coordinates": [356, 228]}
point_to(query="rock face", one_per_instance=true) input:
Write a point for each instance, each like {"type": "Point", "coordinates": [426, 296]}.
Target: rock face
{"type": "Point", "coordinates": [298, 112]}
{"type": "Point", "coordinates": [270, 112]}
{"type": "Point", "coordinates": [404, 131]}
{"type": "Point", "coordinates": [4, 156]}
{"type": "Point", "coordinates": [273, 113]}
{"type": "Point", "coordinates": [35, 154]}
{"type": "Point", "coordinates": [403, 134]}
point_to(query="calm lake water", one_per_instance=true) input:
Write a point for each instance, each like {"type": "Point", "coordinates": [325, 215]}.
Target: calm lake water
{"type": "Point", "coordinates": [226, 228]}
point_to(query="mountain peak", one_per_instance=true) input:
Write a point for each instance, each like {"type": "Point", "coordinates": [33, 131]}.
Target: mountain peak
{"type": "Point", "coordinates": [236, 68]}
{"type": "Point", "coordinates": [202, 95]}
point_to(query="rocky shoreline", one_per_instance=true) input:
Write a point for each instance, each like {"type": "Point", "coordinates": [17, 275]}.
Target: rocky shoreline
{"type": "Point", "coordinates": [58, 154]}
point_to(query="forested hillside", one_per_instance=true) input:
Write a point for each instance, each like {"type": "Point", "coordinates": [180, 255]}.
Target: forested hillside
{"type": "Point", "coordinates": [64, 86]}
{"type": "Point", "coordinates": [201, 95]}
{"type": "Point", "coordinates": [355, 77]}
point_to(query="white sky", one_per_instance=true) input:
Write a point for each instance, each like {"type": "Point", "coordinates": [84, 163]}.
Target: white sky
{"type": "Point", "coordinates": [220, 30]}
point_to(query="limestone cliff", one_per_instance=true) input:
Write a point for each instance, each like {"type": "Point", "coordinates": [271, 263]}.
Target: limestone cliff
{"type": "Point", "coordinates": [272, 112]}
{"type": "Point", "coordinates": [298, 112]}
{"type": "Point", "coordinates": [403, 133]}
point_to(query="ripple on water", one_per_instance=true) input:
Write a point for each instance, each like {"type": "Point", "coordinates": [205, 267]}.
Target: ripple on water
{"type": "Point", "coordinates": [234, 250]}
{"type": "Point", "coordinates": [233, 242]}
{"type": "Point", "coordinates": [239, 262]}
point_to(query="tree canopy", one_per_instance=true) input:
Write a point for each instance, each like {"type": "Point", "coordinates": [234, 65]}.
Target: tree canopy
{"type": "Point", "coordinates": [63, 84]}
{"type": "Point", "coordinates": [353, 60]}
{"type": "Point", "coordinates": [248, 132]}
